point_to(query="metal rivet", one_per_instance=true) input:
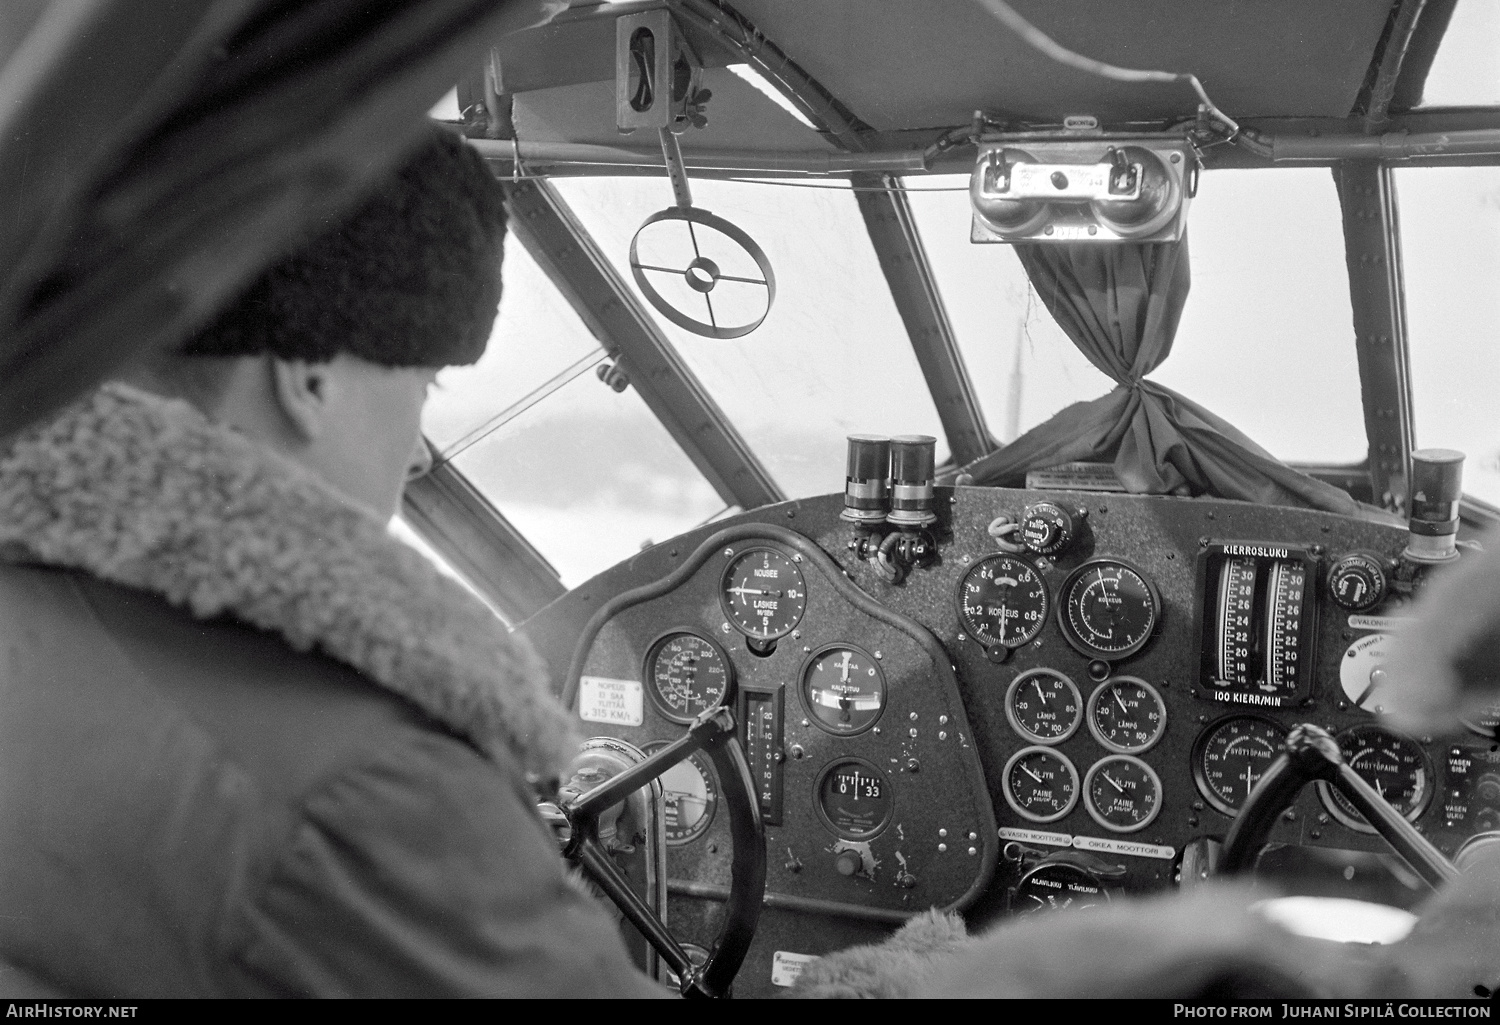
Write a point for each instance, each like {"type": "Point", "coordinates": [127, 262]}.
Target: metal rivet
{"type": "Point", "coordinates": [942, 832]}
{"type": "Point", "coordinates": [942, 847]}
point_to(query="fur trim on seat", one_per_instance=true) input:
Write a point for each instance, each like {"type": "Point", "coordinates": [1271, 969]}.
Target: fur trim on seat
{"type": "Point", "coordinates": [895, 968]}
{"type": "Point", "coordinates": [148, 493]}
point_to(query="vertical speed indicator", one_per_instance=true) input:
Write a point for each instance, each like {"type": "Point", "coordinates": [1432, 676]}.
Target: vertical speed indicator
{"type": "Point", "coordinates": [763, 593]}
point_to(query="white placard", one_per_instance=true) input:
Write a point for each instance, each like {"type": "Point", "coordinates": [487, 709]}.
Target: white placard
{"type": "Point", "coordinates": [618, 702]}
{"type": "Point", "coordinates": [786, 967]}
{"type": "Point", "coordinates": [1130, 847]}
{"type": "Point", "coordinates": [1382, 623]}
{"type": "Point", "coordinates": [1036, 836]}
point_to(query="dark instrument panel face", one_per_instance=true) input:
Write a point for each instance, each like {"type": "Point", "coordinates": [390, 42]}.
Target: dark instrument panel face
{"type": "Point", "coordinates": [1078, 720]}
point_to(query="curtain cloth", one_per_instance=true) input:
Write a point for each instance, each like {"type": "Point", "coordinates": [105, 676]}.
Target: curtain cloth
{"type": "Point", "coordinates": [154, 158]}
{"type": "Point", "coordinates": [1120, 305]}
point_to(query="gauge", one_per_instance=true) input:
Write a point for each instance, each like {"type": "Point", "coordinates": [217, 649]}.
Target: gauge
{"type": "Point", "coordinates": [691, 793]}
{"type": "Point", "coordinates": [686, 675]}
{"type": "Point", "coordinates": [843, 689]}
{"type": "Point", "coordinates": [1236, 613]}
{"type": "Point", "coordinates": [1126, 715]}
{"type": "Point", "coordinates": [1231, 756]}
{"type": "Point", "coordinates": [1486, 723]}
{"type": "Point", "coordinates": [1285, 588]}
{"type": "Point", "coordinates": [1057, 886]}
{"type": "Point", "coordinates": [1040, 784]}
{"type": "Point", "coordinates": [1108, 609]}
{"type": "Point", "coordinates": [1122, 793]}
{"type": "Point", "coordinates": [1394, 765]}
{"type": "Point", "coordinates": [854, 799]}
{"type": "Point", "coordinates": [1002, 600]}
{"type": "Point", "coordinates": [763, 593]}
{"type": "Point", "coordinates": [1043, 705]}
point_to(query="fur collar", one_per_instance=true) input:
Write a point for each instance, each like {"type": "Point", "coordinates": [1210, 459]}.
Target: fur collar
{"type": "Point", "coordinates": [147, 492]}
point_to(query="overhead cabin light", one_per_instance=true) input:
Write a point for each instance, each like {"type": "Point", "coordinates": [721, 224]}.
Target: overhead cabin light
{"type": "Point", "coordinates": [1047, 188]}
{"type": "Point", "coordinates": [773, 94]}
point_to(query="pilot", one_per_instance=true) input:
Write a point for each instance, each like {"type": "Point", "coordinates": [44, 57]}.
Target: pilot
{"type": "Point", "coordinates": [250, 744]}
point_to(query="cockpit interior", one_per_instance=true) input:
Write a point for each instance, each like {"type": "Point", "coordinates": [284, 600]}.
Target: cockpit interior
{"type": "Point", "coordinates": [874, 465]}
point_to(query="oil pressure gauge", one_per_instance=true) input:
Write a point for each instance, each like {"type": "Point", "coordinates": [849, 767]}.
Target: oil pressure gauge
{"type": "Point", "coordinates": [1122, 793]}
{"type": "Point", "coordinates": [843, 689]}
{"type": "Point", "coordinates": [1040, 784]}
{"type": "Point", "coordinates": [1109, 609]}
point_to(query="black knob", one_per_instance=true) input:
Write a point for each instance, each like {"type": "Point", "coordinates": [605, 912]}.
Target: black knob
{"type": "Point", "coordinates": [848, 863]}
{"type": "Point", "coordinates": [1357, 581]}
{"type": "Point", "coordinates": [1047, 528]}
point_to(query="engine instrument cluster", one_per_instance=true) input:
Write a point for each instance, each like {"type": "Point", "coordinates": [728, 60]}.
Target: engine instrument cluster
{"type": "Point", "coordinates": [1056, 698]}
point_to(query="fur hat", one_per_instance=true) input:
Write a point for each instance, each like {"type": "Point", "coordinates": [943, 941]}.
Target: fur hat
{"type": "Point", "coordinates": [411, 279]}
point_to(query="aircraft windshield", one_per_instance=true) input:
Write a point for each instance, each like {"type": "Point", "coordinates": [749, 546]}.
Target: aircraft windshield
{"type": "Point", "coordinates": [1450, 237]}
{"type": "Point", "coordinates": [1465, 72]}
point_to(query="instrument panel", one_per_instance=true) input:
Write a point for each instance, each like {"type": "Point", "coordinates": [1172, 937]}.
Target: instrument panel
{"type": "Point", "coordinates": [1027, 721]}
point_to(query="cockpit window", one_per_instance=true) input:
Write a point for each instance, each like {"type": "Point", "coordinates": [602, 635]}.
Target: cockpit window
{"type": "Point", "coordinates": [1023, 367]}
{"type": "Point", "coordinates": [1450, 241]}
{"type": "Point", "coordinates": [587, 474]}
{"type": "Point", "coordinates": [832, 357]}
{"type": "Point", "coordinates": [1267, 343]}
{"type": "Point", "coordinates": [1465, 72]}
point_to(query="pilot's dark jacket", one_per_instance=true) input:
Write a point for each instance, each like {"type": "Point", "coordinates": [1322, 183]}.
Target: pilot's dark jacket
{"type": "Point", "coordinates": [251, 744]}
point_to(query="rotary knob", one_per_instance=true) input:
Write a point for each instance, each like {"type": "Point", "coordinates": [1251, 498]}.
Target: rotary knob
{"type": "Point", "coordinates": [1487, 789]}
{"type": "Point", "coordinates": [848, 863]}
{"type": "Point", "coordinates": [1357, 581]}
{"type": "Point", "coordinates": [1047, 528]}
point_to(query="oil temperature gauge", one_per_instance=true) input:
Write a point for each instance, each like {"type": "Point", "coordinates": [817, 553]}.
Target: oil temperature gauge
{"type": "Point", "coordinates": [1108, 609]}
{"type": "Point", "coordinates": [1127, 715]}
{"type": "Point", "coordinates": [686, 675]}
{"type": "Point", "coordinates": [1044, 706]}
{"type": "Point", "coordinates": [843, 689]}
{"type": "Point", "coordinates": [1122, 793]}
{"type": "Point", "coordinates": [1040, 784]}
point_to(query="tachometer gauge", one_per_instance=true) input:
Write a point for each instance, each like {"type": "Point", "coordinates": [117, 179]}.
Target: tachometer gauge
{"type": "Point", "coordinates": [763, 593]}
{"type": "Point", "coordinates": [1127, 715]}
{"type": "Point", "coordinates": [1043, 705]}
{"type": "Point", "coordinates": [1040, 784]}
{"type": "Point", "coordinates": [691, 792]}
{"type": "Point", "coordinates": [1002, 600]}
{"type": "Point", "coordinates": [1230, 757]}
{"type": "Point", "coordinates": [1057, 886]}
{"type": "Point", "coordinates": [1108, 609]}
{"type": "Point", "coordinates": [1394, 765]}
{"type": "Point", "coordinates": [843, 689]}
{"type": "Point", "coordinates": [1122, 793]}
{"type": "Point", "coordinates": [686, 675]}
{"type": "Point", "coordinates": [854, 799]}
